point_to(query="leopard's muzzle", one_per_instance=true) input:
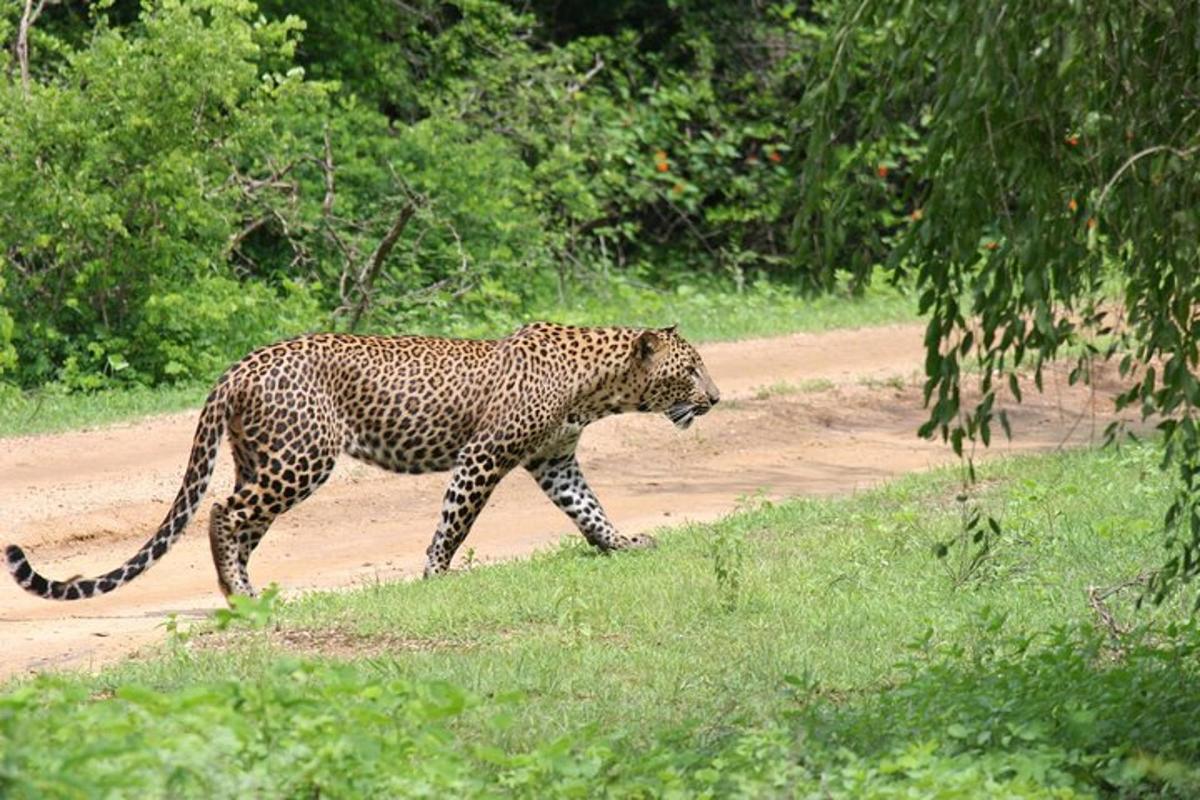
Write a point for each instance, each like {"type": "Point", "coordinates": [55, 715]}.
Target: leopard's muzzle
{"type": "Point", "coordinates": [684, 414]}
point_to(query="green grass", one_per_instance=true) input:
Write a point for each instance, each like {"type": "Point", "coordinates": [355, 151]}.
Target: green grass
{"type": "Point", "coordinates": [702, 315]}
{"type": "Point", "coordinates": [715, 314]}
{"type": "Point", "coordinates": [809, 648]}
{"type": "Point", "coordinates": [49, 410]}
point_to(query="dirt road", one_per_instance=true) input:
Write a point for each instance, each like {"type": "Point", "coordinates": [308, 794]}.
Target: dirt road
{"type": "Point", "coordinates": [804, 414]}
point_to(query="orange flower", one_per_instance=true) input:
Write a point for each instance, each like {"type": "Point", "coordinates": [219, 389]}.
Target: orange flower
{"type": "Point", "coordinates": [916, 215]}
{"type": "Point", "coordinates": [1091, 223]}
{"type": "Point", "coordinates": [1072, 140]}
{"type": "Point", "coordinates": [774, 156]}
{"type": "Point", "coordinates": [662, 166]}
{"type": "Point", "coordinates": [991, 245]}
{"type": "Point", "coordinates": [882, 170]}
{"type": "Point", "coordinates": [1072, 206]}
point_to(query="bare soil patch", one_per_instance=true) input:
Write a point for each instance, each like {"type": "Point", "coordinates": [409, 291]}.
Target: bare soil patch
{"type": "Point", "coordinates": [808, 414]}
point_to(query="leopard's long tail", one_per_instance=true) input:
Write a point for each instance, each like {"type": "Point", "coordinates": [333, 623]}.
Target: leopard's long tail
{"type": "Point", "coordinates": [214, 418]}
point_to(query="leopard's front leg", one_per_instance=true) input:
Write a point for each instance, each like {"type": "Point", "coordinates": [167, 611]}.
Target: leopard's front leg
{"type": "Point", "coordinates": [475, 475]}
{"type": "Point", "coordinates": [563, 482]}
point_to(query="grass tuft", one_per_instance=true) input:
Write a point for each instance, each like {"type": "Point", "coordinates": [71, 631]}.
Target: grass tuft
{"type": "Point", "coordinates": [785, 388]}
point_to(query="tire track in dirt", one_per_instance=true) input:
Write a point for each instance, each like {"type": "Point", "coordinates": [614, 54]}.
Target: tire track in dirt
{"type": "Point", "coordinates": [807, 414]}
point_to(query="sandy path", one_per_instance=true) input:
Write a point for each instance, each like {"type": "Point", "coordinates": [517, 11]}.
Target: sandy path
{"type": "Point", "coordinates": [82, 502]}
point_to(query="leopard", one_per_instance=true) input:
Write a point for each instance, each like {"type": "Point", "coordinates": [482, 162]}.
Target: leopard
{"type": "Point", "coordinates": [478, 408]}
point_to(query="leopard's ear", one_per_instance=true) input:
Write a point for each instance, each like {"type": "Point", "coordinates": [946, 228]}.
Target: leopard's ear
{"type": "Point", "coordinates": [648, 343]}
{"type": "Point", "coordinates": [669, 328]}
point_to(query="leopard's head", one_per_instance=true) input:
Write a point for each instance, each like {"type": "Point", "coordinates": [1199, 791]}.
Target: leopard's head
{"type": "Point", "coordinates": [675, 379]}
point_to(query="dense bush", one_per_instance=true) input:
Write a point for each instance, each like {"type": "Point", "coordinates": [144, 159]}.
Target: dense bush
{"type": "Point", "coordinates": [117, 185]}
{"type": "Point", "coordinates": [383, 166]}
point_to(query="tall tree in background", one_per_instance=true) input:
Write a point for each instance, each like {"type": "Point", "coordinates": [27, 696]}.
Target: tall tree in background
{"type": "Point", "coordinates": [1052, 194]}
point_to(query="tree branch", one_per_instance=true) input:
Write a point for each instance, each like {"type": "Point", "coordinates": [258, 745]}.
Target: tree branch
{"type": "Point", "coordinates": [236, 239]}
{"type": "Point", "coordinates": [1097, 596]}
{"type": "Point", "coordinates": [1133, 159]}
{"type": "Point", "coordinates": [576, 86]}
{"type": "Point", "coordinates": [327, 167]}
{"type": "Point", "coordinates": [418, 13]}
{"type": "Point", "coordinates": [250, 185]}
{"type": "Point", "coordinates": [370, 271]}
{"type": "Point", "coordinates": [28, 17]}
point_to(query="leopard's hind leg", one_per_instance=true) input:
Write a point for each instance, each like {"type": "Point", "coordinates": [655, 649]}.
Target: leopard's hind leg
{"type": "Point", "coordinates": [268, 484]}
{"type": "Point", "coordinates": [222, 538]}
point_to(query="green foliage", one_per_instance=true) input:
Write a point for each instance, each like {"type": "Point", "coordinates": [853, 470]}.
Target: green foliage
{"type": "Point", "coordinates": [367, 47]}
{"type": "Point", "coordinates": [847, 668]}
{"type": "Point", "coordinates": [8, 353]}
{"type": "Point", "coordinates": [860, 147]}
{"type": "Point", "coordinates": [201, 328]}
{"type": "Point", "coordinates": [255, 612]}
{"type": "Point", "coordinates": [266, 737]}
{"type": "Point", "coordinates": [999, 716]}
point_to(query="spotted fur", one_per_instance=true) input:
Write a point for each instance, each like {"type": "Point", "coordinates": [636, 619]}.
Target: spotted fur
{"type": "Point", "coordinates": [412, 404]}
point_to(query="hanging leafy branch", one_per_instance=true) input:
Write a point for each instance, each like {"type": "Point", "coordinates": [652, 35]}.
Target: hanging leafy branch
{"type": "Point", "coordinates": [1056, 189]}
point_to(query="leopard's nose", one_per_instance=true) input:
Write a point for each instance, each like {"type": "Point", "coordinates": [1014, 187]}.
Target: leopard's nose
{"type": "Point", "coordinates": [714, 397]}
